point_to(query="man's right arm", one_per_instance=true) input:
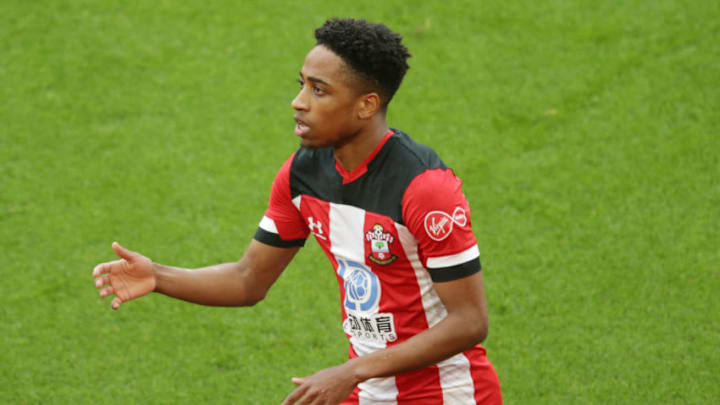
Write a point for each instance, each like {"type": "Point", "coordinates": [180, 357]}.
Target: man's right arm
{"type": "Point", "coordinates": [240, 283]}
{"type": "Point", "coordinates": [280, 235]}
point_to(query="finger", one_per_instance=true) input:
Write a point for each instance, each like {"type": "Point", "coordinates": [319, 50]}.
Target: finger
{"type": "Point", "coordinates": [102, 281]}
{"type": "Point", "coordinates": [298, 380]}
{"type": "Point", "coordinates": [107, 291]}
{"type": "Point", "coordinates": [104, 268]}
{"type": "Point", "coordinates": [122, 252]}
{"type": "Point", "coordinates": [115, 304]}
{"type": "Point", "coordinates": [100, 269]}
{"type": "Point", "coordinates": [311, 397]}
{"type": "Point", "coordinates": [294, 396]}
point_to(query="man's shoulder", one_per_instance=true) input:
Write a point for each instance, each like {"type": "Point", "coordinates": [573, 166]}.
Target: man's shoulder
{"type": "Point", "coordinates": [410, 156]}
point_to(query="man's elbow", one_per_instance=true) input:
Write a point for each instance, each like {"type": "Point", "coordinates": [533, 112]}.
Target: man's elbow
{"type": "Point", "coordinates": [477, 331]}
{"type": "Point", "coordinates": [249, 291]}
{"type": "Point", "coordinates": [251, 298]}
{"type": "Point", "coordinates": [481, 333]}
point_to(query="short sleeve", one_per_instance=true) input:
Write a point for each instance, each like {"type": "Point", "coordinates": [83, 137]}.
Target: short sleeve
{"type": "Point", "coordinates": [436, 212]}
{"type": "Point", "coordinates": [282, 225]}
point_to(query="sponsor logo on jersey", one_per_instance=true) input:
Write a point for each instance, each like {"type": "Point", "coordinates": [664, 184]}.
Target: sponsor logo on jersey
{"type": "Point", "coordinates": [362, 301]}
{"type": "Point", "coordinates": [439, 224]}
{"type": "Point", "coordinates": [372, 328]}
{"type": "Point", "coordinates": [380, 245]}
{"type": "Point", "coordinates": [362, 287]}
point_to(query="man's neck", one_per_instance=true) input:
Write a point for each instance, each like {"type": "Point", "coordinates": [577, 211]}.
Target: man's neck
{"type": "Point", "coordinates": [353, 154]}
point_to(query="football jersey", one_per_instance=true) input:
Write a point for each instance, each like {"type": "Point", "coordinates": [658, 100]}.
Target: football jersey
{"type": "Point", "coordinates": [391, 227]}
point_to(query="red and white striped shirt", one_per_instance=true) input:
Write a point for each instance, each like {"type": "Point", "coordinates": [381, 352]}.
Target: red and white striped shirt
{"type": "Point", "coordinates": [391, 227]}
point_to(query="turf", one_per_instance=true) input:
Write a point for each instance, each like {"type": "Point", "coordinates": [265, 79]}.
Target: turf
{"type": "Point", "coordinates": [587, 135]}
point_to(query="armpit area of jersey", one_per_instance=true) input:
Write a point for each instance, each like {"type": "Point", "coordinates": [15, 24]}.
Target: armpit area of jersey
{"type": "Point", "coordinates": [274, 239]}
{"type": "Point", "coordinates": [455, 272]}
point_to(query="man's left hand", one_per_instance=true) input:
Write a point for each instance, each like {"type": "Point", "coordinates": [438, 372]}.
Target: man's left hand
{"type": "Point", "coordinates": [330, 386]}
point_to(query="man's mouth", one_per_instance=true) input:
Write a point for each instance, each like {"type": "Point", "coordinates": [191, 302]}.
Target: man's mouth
{"type": "Point", "coordinates": [301, 128]}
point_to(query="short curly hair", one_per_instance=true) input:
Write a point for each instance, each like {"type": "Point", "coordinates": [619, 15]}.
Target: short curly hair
{"type": "Point", "coordinates": [374, 53]}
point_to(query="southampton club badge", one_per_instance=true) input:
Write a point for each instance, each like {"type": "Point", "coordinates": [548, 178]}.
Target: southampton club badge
{"type": "Point", "coordinates": [380, 245]}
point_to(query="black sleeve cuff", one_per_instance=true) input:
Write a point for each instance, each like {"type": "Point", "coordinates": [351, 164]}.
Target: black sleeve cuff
{"type": "Point", "coordinates": [455, 272]}
{"type": "Point", "coordinates": [274, 239]}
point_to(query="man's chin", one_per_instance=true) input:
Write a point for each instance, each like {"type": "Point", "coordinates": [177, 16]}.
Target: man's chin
{"type": "Point", "coordinates": [305, 144]}
{"type": "Point", "coordinates": [308, 144]}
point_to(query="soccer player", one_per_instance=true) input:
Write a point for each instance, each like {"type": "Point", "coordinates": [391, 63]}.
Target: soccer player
{"type": "Point", "coordinates": [390, 216]}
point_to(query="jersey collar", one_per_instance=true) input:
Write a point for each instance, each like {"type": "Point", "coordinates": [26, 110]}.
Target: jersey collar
{"type": "Point", "coordinates": [349, 177]}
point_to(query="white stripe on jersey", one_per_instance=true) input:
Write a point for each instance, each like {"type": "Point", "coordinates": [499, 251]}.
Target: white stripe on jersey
{"type": "Point", "coordinates": [268, 224]}
{"type": "Point", "coordinates": [456, 381]}
{"type": "Point", "coordinates": [454, 260]}
{"type": "Point", "coordinates": [346, 243]}
{"type": "Point", "coordinates": [346, 232]}
{"type": "Point", "coordinates": [455, 378]}
{"type": "Point", "coordinates": [378, 391]}
{"type": "Point", "coordinates": [375, 390]}
{"type": "Point", "coordinates": [434, 308]}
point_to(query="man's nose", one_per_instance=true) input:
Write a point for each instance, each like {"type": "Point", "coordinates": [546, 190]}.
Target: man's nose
{"type": "Point", "coordinates": [299, 103]}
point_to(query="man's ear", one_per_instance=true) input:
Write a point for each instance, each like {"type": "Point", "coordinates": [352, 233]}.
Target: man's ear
{"type": "Point", "coordinates": [369, 105]}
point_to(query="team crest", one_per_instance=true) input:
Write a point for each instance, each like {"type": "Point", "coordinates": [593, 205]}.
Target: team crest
{"type": "Point", "coordinates": [380, 245]}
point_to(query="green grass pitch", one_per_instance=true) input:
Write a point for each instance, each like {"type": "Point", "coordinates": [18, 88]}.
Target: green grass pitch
{"type": "Point", "coordinates": [587, 135]}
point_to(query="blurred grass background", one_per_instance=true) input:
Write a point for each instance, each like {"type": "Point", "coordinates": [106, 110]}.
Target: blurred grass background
{"type": "Point", "coordinates": [587, 135]}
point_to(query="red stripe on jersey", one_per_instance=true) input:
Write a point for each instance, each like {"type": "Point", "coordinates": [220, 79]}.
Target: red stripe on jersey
{"type": "Point", "coordinates": [386, 257]}
{"type": "Point", "coordinates": [397, 277]}
{"type": "Point", "coordinates": [487, 384]}
{"type": "Point", "coordinates": [419, 387]}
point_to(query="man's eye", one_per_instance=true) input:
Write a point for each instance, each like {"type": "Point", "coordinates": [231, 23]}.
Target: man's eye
{"type": "Point", "coordinates": [318, 90]}
{"type": "Point", "coordinates": [302, 83]}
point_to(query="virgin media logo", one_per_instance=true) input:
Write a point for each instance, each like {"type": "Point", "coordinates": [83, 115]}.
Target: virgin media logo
{"type": "Point", "coordinates": [439, 224]}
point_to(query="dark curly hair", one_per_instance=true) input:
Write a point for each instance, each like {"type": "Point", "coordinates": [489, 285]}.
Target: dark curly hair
{"type": "Point", "coordinates": [374, 53]}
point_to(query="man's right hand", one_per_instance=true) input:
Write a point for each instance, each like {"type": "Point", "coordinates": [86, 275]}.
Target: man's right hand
{"type": "Point", "coordinates": [128, 278]}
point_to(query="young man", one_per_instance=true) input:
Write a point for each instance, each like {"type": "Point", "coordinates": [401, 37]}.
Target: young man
{"type": "Point", "coordinates": [390, 216]}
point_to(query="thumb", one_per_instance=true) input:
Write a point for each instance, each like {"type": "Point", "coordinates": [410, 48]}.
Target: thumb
{"type": "Point", "coordinates": [298, 380]}
{"type": "Point", "coordinates": [123, 253]}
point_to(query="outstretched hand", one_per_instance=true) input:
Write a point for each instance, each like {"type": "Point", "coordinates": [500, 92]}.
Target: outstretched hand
{"type": "Point", "coordinates": [128, 278]}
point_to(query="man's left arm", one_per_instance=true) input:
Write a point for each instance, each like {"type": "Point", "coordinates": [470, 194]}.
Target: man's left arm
{"type": "Point", "coordinates": [466, 325]}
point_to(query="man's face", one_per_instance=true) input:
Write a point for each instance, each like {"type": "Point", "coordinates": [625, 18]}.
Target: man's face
{"type": "Point", "coordinates": [326, 106]}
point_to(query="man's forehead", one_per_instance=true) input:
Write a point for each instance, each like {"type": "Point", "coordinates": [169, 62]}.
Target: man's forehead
{"type": "Point", "coordinates": [323, 64]}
